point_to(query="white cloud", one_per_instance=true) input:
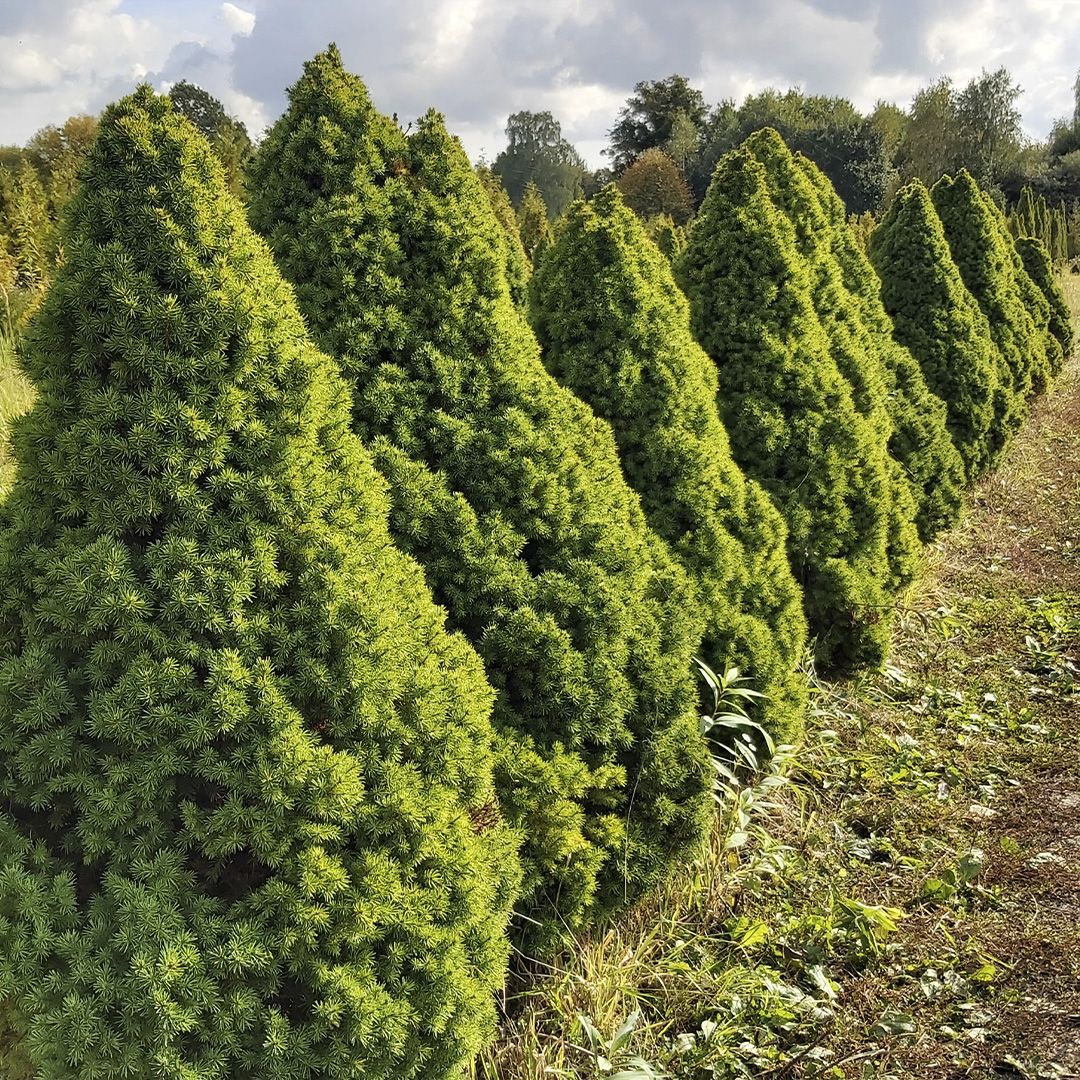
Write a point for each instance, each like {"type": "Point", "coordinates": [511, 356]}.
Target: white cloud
{"type": "Point", "coordinates": [237, 19]}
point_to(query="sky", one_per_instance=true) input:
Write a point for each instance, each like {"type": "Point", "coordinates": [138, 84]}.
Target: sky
{"type": "Point", "coordinates": [479, 60]}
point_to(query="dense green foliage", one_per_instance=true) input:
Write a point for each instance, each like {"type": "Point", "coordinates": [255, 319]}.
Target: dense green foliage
{"type": "Point", "coordinates": [533, 227]}
{"type": "Point", "coordinates": [506, 488]}
{"type": "Point", "coordinates": [983, 252]}
{"type": "Point", "coordinates": [537, 153]}
{"type": "Point", "coordinates": [789, 412]}
{"type": "Point", "coordinates": [228, 137]}
{"type": "Point", "coordinates": [518, 267]}
{"type": "Point", "coordinates": [920, 440]}
{"type": "Point", "coordinates": [666, 235]}
{"type": "Point", "coordinates": [16, 396]}
{"type": "Point", "coordinates": [1038, 266]}
{"type": "Point", "coordinates": [616, 330]}
{"type": "Point", "coordinates": [654, 116]}
{"type": "Point", "coordinates": [935, 316]}
{"type": "Point", "coordinates": [652, 184]}
{"type": "Point", "coordinates": [245, 771]}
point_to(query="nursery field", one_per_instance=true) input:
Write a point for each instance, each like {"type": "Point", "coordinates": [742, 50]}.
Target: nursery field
{"type": "Point", "coordinates": [899, 896]}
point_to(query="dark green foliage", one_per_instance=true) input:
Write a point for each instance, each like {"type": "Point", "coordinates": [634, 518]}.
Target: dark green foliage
{"type": "Point", "coordinates": [920, 439]}
{"type": "Point", "coordinates": [654, 113]}
{"type": "Point", "coordinates": [245, 772]}
{"type": "Point", "coordinates": [936, 317]}
{"type": "Point", "coordinates": [506, 488]}
{"type": "Point", "coordinates": [789, 412]}
{"type": "Point", "coordinates": [536, 153]}
{"type": "Point", "coordinates": [616, 329]}
{"type": "Point", "coordinates": [1037, 264]}
{"type": "Point", "coordinates": [518, 267]}
{"type": "Point", "coordinates": [228, 137]}
{"type": "Point", "coordinates": [984, 256]}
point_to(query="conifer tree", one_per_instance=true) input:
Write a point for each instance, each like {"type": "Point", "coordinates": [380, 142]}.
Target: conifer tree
{"type": "Point", "coordinates": [789, 412]}
{"type": "Point", "coordinates": [1037, 265]}
{"type": "Point", "coordinates": [518, 267]}
{"type": "Point", "coordinates": [247, 824]}
{"type": "Point", "coordinates": [793, 197]}
{"type": "Point", "coordinates": [920, 439]}
{"type": "Point", "coordinates": [506, 488]}
{"type": "Point", "coordinates": [532, 216]}
{"type": "Point", "coordinates": [935, 316]}
{"type": "Point", "coordinates": [667, 236]}
{"type": "Point", "coordinates": [982, 254]}
{"type": "Point", "coordinates": [615, 329]}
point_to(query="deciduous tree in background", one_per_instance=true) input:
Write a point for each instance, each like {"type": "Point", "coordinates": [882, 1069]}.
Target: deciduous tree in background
{"type": "Point", "coordinates": [537, 152]}
{"type": "Point", "coordinates": [652, 185]}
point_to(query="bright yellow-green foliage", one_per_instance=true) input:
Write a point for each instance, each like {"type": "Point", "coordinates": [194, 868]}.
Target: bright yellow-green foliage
{"type": "Point", "coordinates": [935, 316]}
{"type": "Point", "coordinates": [245, 772]}
{"type": "Point", "coordinates": [984, 256]}
{"type": "Point", "coordinates": [1037, 264]}
{"type": "Point", "coordinates": [789, 412]}
{"type": "Point", "coordinates": [16, 396]}
{"type": "Point", "coordinates": [616, 329]}
{"type": "Point", "coordinates": [666, 235]}
{"type": "Point", "coordinates": [506, 488]}
{"type": "Point", "coordinates": [919, 440]}
{"type": "Point", "coordinates": [794, 197]}
{"type": "Point", "coordinates": [518, 267]}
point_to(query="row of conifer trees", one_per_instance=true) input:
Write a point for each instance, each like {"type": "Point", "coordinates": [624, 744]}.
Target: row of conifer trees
{"type": "Point", "coordinates": [347, 622]}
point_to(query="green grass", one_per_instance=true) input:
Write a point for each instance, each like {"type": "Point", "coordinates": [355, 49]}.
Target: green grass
{"type": "Point", "coordinates": [16, 397]}
{"type": "Point", "coordinates": [897, 896]}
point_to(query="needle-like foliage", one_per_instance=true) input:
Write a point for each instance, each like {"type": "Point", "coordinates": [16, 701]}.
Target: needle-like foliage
{"type": "Point", "coordinates": [505, 487]}
{"type": "Point", "coordinates": [789, 412]}
{"type": "Point", "coordinates": [247, 819]}
{"type": "Point", "coordinates": [616, 329]}
{"type": "Point", "coordinates": [935, 316]}
{"type": "Point", "coordinates": [1037, 264]}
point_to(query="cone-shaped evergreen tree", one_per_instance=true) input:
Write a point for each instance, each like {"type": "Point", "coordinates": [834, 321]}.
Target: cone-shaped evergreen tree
{"type": "Point", "coordinates": [982, 254]}
{"type": "Point", "coordinates": [1037, 265]}
{"type": "Point", "coordinates": [936, 317]}
{"type": "Point", "coordinates": [920, 439]}
{"type": "Point", "coordinates": [518, 267]}
{"type": "Point", "coordinates": [532, 218]}
{"type": "Point", "coordinates": [616, 329]}
{"type": "Point", "coordinates": [247, 824]}
{"type": "Point", "coordinates": [788, 410]}
{"type": "Point", "coordinates": [506, 488]}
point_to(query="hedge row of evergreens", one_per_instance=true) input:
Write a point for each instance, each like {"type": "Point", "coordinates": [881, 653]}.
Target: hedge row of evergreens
{"type": "Point", "coordinates": [347, 620]}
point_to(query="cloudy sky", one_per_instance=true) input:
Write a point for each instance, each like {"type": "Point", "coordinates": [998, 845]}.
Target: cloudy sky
{"type": "Point", "coordinates": [478, 60]}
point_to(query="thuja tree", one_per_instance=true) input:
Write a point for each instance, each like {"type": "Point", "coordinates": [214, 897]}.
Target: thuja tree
{"type": "Point", "coordinates": [983, 257]}
{"type": "Point", "coordinates": [532, 218]}
{"type": "Point", "coordinates": [518, 267]}
{"type": "Point", "coordinates": [935, 316]}
{"type": "Point", "coordinates": [788, 410]}
{"type": "Point", "coordinates": [1039, 268]}
{"type": "Point", "coordinates": [506, 487]}
{"type": "Point", "coordinates": [615, 328]}
{"type": "Point", "coordinates": [248, 825]}
{"type": "Point", "coordinates": [920, 439]}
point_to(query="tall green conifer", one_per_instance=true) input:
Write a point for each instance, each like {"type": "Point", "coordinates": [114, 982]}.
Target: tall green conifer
{"type": "Point", "coordinates": [788, 410]}
{"type": "Point", "coordinates": [518, 267]}
{"type": "Point", "coordinates": [506, 488]}
{"type": "Point", "coordinates": [1039, 268]}
{"type": "Point", "coordinates": [936, 317]}
{"type": "Point", "coordinates": [920, 439]}
{"type": "Point", "coordinates": [616, 330]}
{"type": "Point", "coordinates": [984, 259]}
{"type": "Point", "coordinates": [247, 820]}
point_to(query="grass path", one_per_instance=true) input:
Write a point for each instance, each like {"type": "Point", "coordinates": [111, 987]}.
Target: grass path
{"type": "Point", "coordinates": [901, 897]}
